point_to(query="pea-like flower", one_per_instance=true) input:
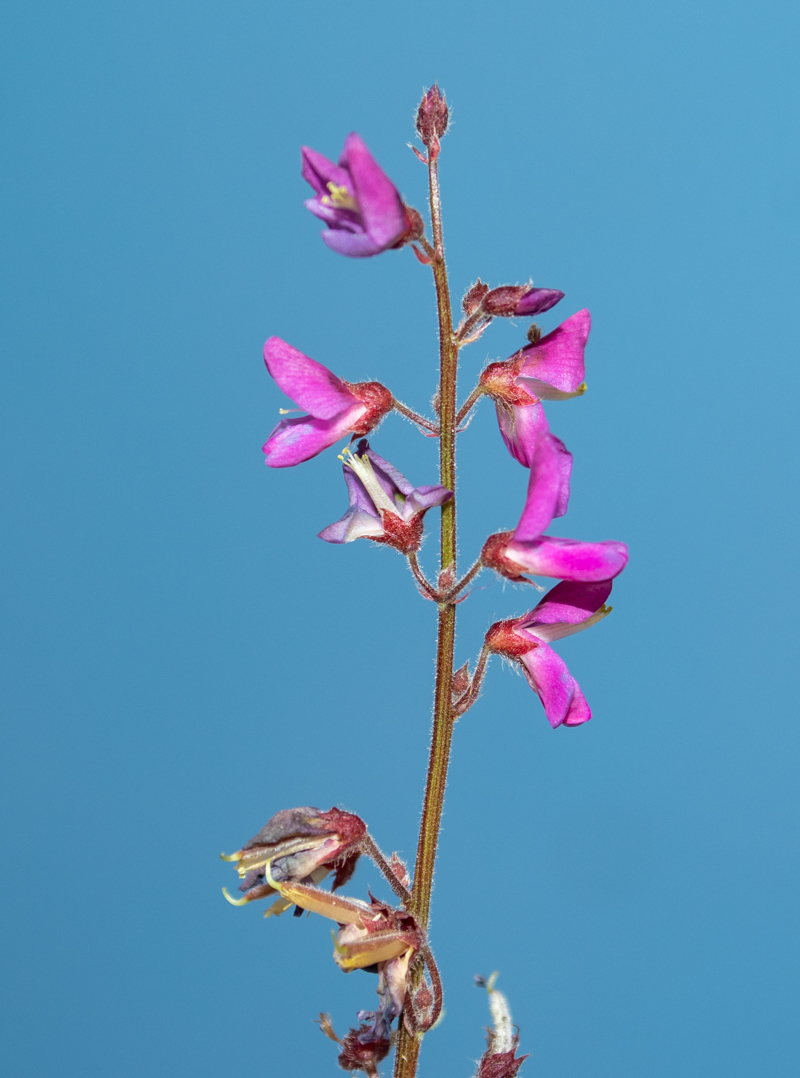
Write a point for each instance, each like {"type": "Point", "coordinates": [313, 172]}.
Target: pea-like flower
{"type": "Point", "coordinates": [552, 368]}
{"type": "Point", "coordinates": [357, 201]}
{"type": "Point", "coordinates": [567, 608]}
{"type": "Point", "coordinates": [299, 845]}
{"type": "Point", "coordinates": [527, 549]}
{"type": "Point", "coordinates": [521, 301]}
{"type": "Point", "coordinates": [384, 506]}
{"type": "Point", "coordinates": [336, 408]}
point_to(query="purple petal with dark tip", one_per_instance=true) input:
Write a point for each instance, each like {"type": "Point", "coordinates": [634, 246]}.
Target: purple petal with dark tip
{"type": "Point", "coordinates": [570, 602]}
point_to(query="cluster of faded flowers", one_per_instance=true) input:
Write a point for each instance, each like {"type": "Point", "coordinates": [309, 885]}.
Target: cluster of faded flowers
{"type": "Point", "coordinates": [365, 215]}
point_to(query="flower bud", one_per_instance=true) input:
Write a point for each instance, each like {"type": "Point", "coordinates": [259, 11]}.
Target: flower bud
{"type": "Point", "coordinates": [520, 300]}
{"type": "Point", "coordinates": [474, 296]}
{"type": "Point", "coordinates": [432, 115]}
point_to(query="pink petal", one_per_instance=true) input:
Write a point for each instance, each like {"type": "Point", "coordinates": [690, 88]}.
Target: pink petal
{"type": "Point", "coordinates": [319, 172]}
{"type": "Point", "coordinates": [378, 199]}
{"type": "Point", "coordinates": [569, 559]}
{"type": "Point", "coordinates": [567, 608]}
{"type": "Point", "coordinates": [301, 438]}
{"type": "Point", "coordinates": [557, 360]}
{"type": "Point", "coordinates": [307, 382]}
{"type": "Point", "coordinates": [548, 487]}
{"type": "Point", "coordinates": [558, 690]}
{"type": "Point", "coordinates": [521, 428]}
{"type": "Point", "coordinates": [352, 244]}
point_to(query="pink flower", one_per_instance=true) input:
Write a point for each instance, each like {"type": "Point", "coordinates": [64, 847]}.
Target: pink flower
{"type": "Point", "coordinates": [357, 201]}
{"type": "Point", "coordinates": [336, 408]}
{"type": "Point", "coordinates": [552, 368]}
{"type": "Point", "coordinates": [568, 608]}
{"type": "Point", "coordinates": [527, 549]}
{"type": "Point", "coordinates": [384, 506]}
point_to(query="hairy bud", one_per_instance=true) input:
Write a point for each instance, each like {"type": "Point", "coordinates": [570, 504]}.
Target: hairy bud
{"type": "Point", "coordinates": [432, 115]}
{"type": "Point", "coordinates": [473, 297]}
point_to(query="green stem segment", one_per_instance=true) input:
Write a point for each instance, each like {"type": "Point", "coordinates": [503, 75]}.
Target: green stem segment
{"type": "Point", "coordinates": [408, 1045]}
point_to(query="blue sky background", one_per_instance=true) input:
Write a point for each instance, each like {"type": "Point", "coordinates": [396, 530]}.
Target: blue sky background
{"type": "Point", "coordinates": [182, 655]}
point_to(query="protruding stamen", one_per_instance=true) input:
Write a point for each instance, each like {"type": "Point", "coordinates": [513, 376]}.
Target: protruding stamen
{"type": "Point", "coordinates": [362, 466]}
{"type": "Point", "coordinates": [235, 901]}
{"type": "Point", "coordinates": [231, 856]}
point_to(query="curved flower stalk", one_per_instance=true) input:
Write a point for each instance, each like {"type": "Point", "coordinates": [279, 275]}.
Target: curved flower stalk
{"type": "Point", "coordinates": [566, 609]}
{"type": "Point", "coordinates": [527, 549]}
{"type": "Point", "coordinates": [336, 408]}
{"type": "Point", "coordinates": [384, 506]}
{"type": "Point", "coordinates": [358, 202]}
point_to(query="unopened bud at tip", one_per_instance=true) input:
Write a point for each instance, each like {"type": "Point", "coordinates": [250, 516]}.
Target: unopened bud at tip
{"type": "Point", "coordinates": [432, 115]}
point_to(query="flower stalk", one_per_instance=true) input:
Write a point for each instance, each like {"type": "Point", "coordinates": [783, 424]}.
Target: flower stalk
{"type": "Point", "coordinates": [408, 1045]}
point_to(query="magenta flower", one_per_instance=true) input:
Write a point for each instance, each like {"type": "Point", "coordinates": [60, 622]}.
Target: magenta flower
{"type": "Point", "coordinates": [357, 201]}
{"type": "Point", "coordinates": [550, 369]}
{"type": "Point", "coordinates": [568, 608]}
{"type": "Point", "coordinates": [384, 506]}
{"type": "Point", "coordinates": [527, 549]}
{"type": "Point", "coordinates": [336, 408]}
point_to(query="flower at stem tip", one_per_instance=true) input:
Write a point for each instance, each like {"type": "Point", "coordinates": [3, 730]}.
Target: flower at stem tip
{"type": "Point", "coordinates": [567, 608]}
{"type": "Point", "coordinates": [384, 506]}
{"type": "Point", "coordinates": [301, 845]}
{"type": "Point", "coordinates": [335, 407]}
{"type": "Point", "coordinates": [527, 549]}
{"type": "Point", "coordinates": [358, 202]}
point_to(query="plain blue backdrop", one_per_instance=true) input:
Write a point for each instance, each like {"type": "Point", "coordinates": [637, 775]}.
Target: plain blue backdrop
{"type": "Point", "coordinates": [183, 657]}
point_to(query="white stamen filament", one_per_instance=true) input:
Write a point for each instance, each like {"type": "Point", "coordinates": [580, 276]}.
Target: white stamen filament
{"type": "Point", "coordinates": [362, 466]}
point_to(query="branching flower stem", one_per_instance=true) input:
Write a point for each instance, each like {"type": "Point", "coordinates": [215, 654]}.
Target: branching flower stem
{"type": "Point", "coordinates": [468, 405]}
{"type": "Point", "coordinates": [408, 1045]}
{"type": "Point", "coordinates": [421, 421]}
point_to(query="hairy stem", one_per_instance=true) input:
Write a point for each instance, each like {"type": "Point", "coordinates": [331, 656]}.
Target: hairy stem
{"type": "Point", "coordinates": [407, 1044]}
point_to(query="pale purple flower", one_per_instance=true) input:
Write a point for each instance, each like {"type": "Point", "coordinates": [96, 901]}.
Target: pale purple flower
{"type": "Point", "coordinates": [568, 608]}
{"type": "Point", "coordinates": [336, 408]}
{"type": "Point", "coordinates": [384, 506]}
{"type": "Point", "coordinates": [357, 201]}
{"type": "Point", "coordinates": [527, 549]}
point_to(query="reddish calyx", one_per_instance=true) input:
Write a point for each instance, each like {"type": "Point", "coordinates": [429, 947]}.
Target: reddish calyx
{"type": "Point", "coordinates": [494, 556]}
{"type": "Point", "coordinates": [503, 640]}
{"type": "Point", "coordinates": [405, 536]}
{"type": "Point", "coordinates": [499, 381]}
{"type": "Point", "coordinates": [378, 401]}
